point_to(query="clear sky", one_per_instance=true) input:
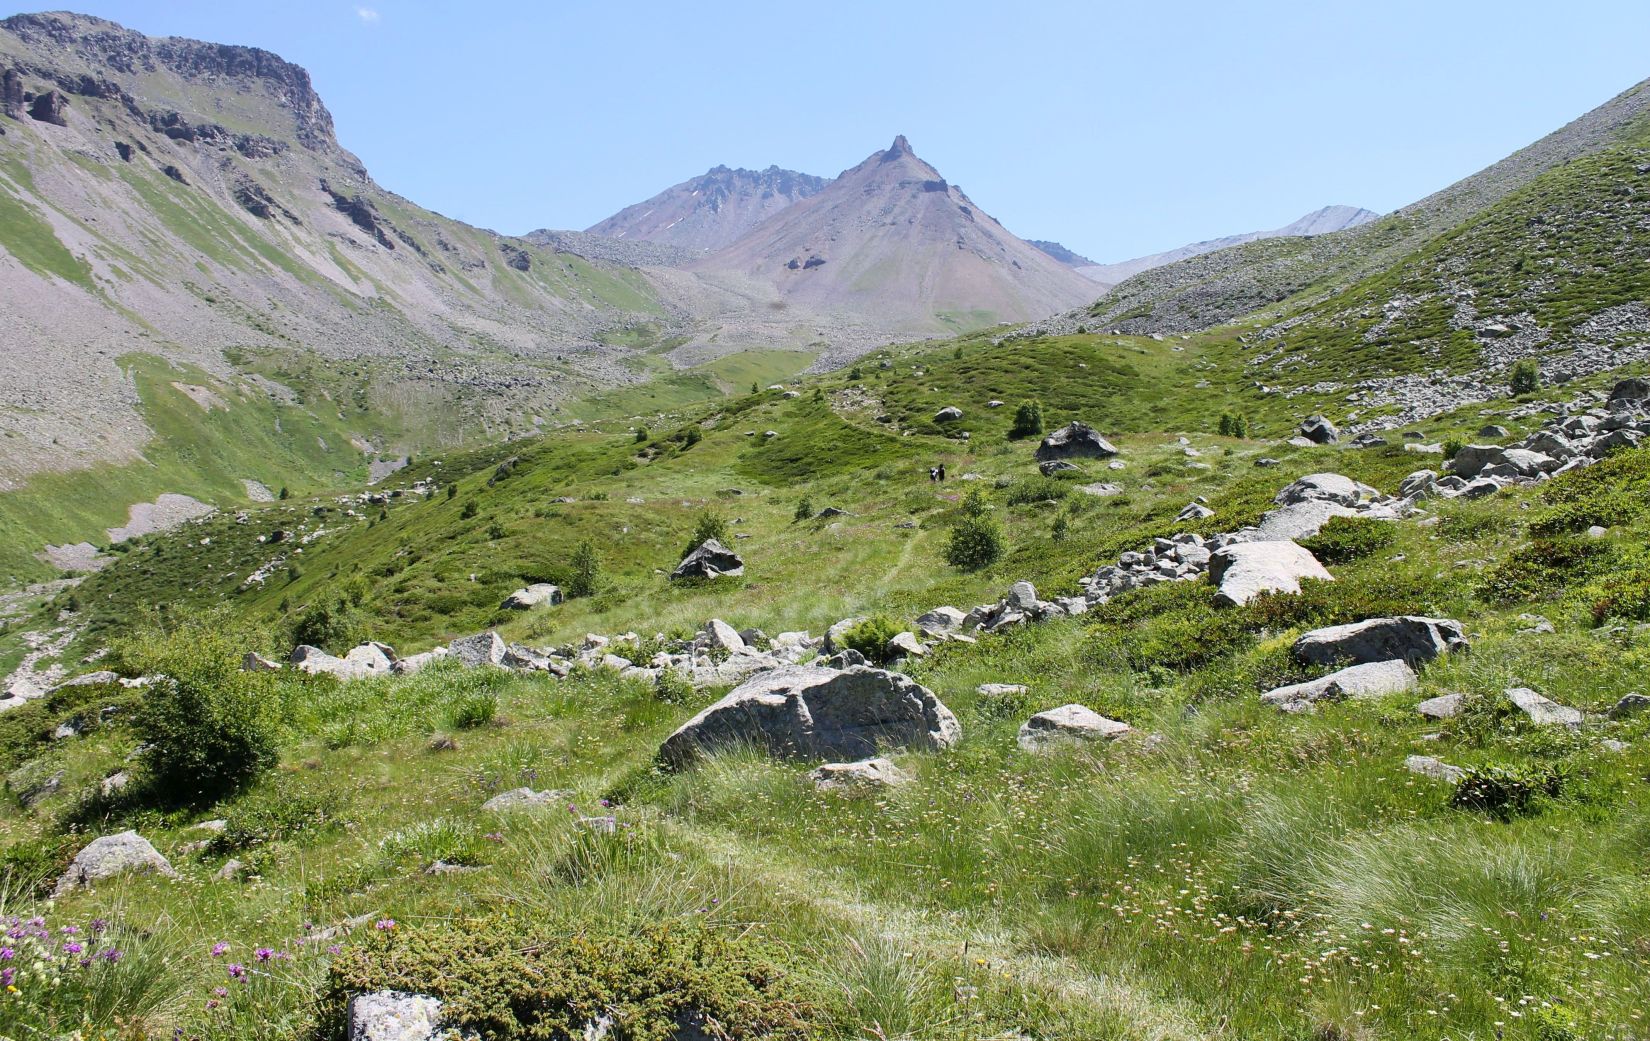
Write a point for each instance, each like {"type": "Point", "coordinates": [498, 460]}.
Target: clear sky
{"type": "Point", "coordinates": [1118, 129]}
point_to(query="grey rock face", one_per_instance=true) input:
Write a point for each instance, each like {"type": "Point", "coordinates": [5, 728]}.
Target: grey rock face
{"type": "Point", "coordinates": [389, 1015]}
{"type": "Point", "coordinates": [365, 660]}
{"type": "Point", "coordinates": [524, 799]}
{"type": "Point", "coordinates": [941, 620]}
{"type": "Point", "coordinates": [710, 559]}
{"type": "Point", "coordinates": [864, 776]}
{"type": "Point", "coordinates": [1410, 638]}
{"type": "Point", "coordinates": [808, 712]}
{"type": "Point", "coordinates": [1075, 440]}
{"type": "Point", "coordinates": [532, 596]}
{"type": "Point", "coordinates": [1325, 487]}
{"type": "Point", "coordinates": [1370, 680]}
{"type": "Point", "coordinates": [1629, 391]}
{"type": "Point", "coordinates": [1629, 706]}
{"type": "Point", "coordinates": [1068, 723]}
{"type": "Point", "coordinates": [1245, 570]}
{"type": "Point", "coordinates": [1050, 467]}
{"type": "Point", "coordinates": [949, 414]}
{"type": "Point", "coordinates": [1319, 430]}
{"type": "Point", "coordinates": [109, 856]}
{"type": "Point", "coordinates": [1446, 706]}
{"type": "Point", "coordinates": [1427, 766]}
{"type": "Point", "coordinates": [1543, 711]}
{"type": "Point", "coordinates": [1299, 520]}
{"type": "Point", "coordinates": [481, 649]}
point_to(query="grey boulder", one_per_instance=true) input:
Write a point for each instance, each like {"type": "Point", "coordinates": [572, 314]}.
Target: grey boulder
{"type": "Point", "coordinates": [709, 559]}
{"type": "Point", "coordinates": [389, 1015]}
{"type": "Point", "coordinates": [1543, 711]}
{"type": "Point", "coordinates": [1068, 723]}
{"type": "Point", "coordinates": [1410, 638]}
{"type": "Point", "coordinates": [481, 649]}
{"type": "Point", "coordinates": [532, 596]}
{"type": "Point", "coordinates": [863, 776]}
{"type": "Point", "coordinates": [1437, 769]}
{"type": "Point", "coordinates": [1325, 487]}
{"type": "Point", "coordinates": [1370, 680]}
{"type": "Point", "coordinates": [1075, 440]}
{"type": "Point", "coordinates": [809, 712]}
{"type": "Point", "coordinates": [109, 856]}
{"type": "Point", "coordinates": [1319, 430]}
{"type": "Point", "coordinates": [1245, 570]}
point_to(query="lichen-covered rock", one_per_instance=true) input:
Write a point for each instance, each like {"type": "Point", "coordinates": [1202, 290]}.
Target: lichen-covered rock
{"type": "Point", "coordinates": [1068, 723]}
{"type": "Point", "coordinates": [393, 1016]}
{"type": "Point", "coordinates": [709, 559]}
{"type": "Point", "coordinates": [1409, 638]}
{"type": "Point", "coordinates": [809, 712]}
{"type": "Point", "coordinates": [861, 777]}
{"type": "Point", "coordinates": [110, 856]}
{"type": "Point", "coordinates": [1370, 680]}
{"type": "Point", "coordinates": [1245, 570]}
{"type": "Point", "coordinates": [1075, 440]}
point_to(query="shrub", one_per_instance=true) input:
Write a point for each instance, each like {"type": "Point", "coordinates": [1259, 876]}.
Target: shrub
{"type": "Point", "coordinates": [710, 525]}
{"type": "Point", "coordinates": [207, 728]}
{"type": "Point", "coordinates": [586, 571]}
{"type": "Point", "coordinates": [1525, 377]}
{"type": "Point", "coordinates": [1505, 792]}
{"type": "Point", "coordinates": [1452, 447]}
{"type": "Point", "coordinates": [974, 544]}
{"type": "Point", "coordinates": [974, 503]}
{"type": "Point", "coordinates": [469, 509]}
{"type": "Point", "coordinates": [1625, 596]}
{"type": "Point", "coordinates": [1031, 490]}
{"type": "Point", "coordinates": [871, 637]}
{"type": "Point", "coordinates": [856, 373]}
{"type": "Point", "coordinates": [1028, 420]}
{"type": "Point", "coordinates": [334, 623]}
{"type": "Point", "coordinates": [1350, 538]}
{"type": "Point", "coordinates": [1544, 569]}
{"type": "Point", "coordinates": [1005, 704]}
{"type": "Point", "coordinates": [1061, 529]}
{"type": "Point", "coordinates": [641, 435]}
{"type": "Point", "coordinates": [497, 978]}
{"type": "Point", "coordinates": [277, 812]}
{"type": "Point", "coordinates": [1233, 426]}
{"type": "Point", "coordinates": [452, 491]}
{"type": "Point", "coordinates": [804, 509]}
{"type": "Point", "coordinates": [673, 688]}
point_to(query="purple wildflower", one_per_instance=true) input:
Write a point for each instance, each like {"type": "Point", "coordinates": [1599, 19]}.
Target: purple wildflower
{"type": "Point", "coordinates": [384, 924]}
{"type": "Point", "coordinates": [219, 949]}
{"type": "Point", "coordinates": [237, 971]}
{"type": "Point", "coordinates": [263, 953]}
{"type": "Point", "coordinates": [70, 947]}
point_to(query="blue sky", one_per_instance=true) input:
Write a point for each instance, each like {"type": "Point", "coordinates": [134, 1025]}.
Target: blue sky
{"type": "Point", "coordinates": [1119, 129]}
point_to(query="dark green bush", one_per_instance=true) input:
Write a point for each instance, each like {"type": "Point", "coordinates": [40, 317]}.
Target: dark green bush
{"type": "Point", "coordinates": [586, 571]}
{"type": "Point", "coordinates": [472, 710]}
{"type": "Point", "coordinates": [974, 544]}
{"type": "Point", "coordinates": [804, 509]}
{"type": "Point", "coordinates": [871, 637]}
{"type": "Point", "coordinates": [1525, 377]}
{"type": "Point", "coordinates": [709, 525]}
{"type": "Point", "coordinates": [278, 812]}
{"type": "Point", "coordinates": [499, 979]}
{"type": "Point", "coordinates": [1505, 792]}
{"type": "Point", "coordinates": [334, 622]}
{"type": "Point", "coordinates": [1623, 596]}
{"type": "Point", "coordinates": [207, 728]}
{"type": "Point", "coordinates": [1032, 490]}
{"type": "Point", "coordinates": [1614, 490]}
{"type": "Point", "coordinates": [1544, 569]}
{"type": "Point", "coordinates": [1028, 420]}
{"type": "Point", "coordinates": [1167, 629]}
{"type": "Point", "coordinates": [1350, 538]}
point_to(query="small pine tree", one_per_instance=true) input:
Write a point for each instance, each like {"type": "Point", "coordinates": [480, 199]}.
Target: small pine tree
{"type": "Point", "coordinates": [975, 543]}
{"type": "Point", "coordinates": [856, 373]}
{"type": "Point", "coordinates": [1028, 419]}
{"type": "Point", "coordinates": [452, 491]}
{"type": "Point", "coordinates": [1526, 377]}
{"type": "Point", "coordinates": [469, 509]}
{"type": "Point", "coordinates": [804, 509]}
{"type": "Point", "coordinates": [754, 388]}
{"type": "Point", "coordinates": [710, 525]}
{"type": "Point", "coordinates": [587, 570]}
{"type": "Point", "coordinates": [974, 505]}
{"type": "Point", "coordinates": [641, 435]}
{"type": "Point", "coordinates": [284, 493]}
{"type": "Point", "coordinates": [1061, 528]}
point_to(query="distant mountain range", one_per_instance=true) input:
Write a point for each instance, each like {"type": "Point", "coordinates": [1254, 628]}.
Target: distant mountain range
{"type": "Point", "coordinates": [710, 211]}
{"type": "Point", "coordinates": [1318, 222]}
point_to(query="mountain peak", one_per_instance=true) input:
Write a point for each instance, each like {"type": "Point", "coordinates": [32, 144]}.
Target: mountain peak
{"type": "Point", "coordinates": [900, 147]}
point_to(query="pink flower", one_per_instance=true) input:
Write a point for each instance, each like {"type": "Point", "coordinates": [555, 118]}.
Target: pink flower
{"type": "Point", "coordinates": [237, 972]}
{"type": "Point", "coordinates": [263, 954]}
{"type": "Point", "coordinates": [384, 924]}
{"type": "Point", "coordinates": [219, 949]}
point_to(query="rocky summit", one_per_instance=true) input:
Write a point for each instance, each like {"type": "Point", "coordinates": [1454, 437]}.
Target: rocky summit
{"type": "Point", "coordinates": [798, 609]}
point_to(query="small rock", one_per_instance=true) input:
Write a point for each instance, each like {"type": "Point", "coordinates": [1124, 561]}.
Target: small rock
{"type": "Point", "coordinates": [1629, 706]}
{"type": "Point", "coordinates": [1543, 711]}
{"type": "Point", "coordinates": [1438, 770]}
{"type": "Point", "coordinates": [1068, 723]}
{"type": "Point", "coordinates": [393, 1016]}
{"type": "Point", "coordinates": [109, 856]}
{"type": "Point", "coordinates": [1446, 706]}
{"type": "Point", "coordinates": [858, 777]}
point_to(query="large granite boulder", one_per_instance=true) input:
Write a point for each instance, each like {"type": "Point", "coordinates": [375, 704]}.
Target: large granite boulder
{"type": "Point", "coordinates": [1370, 680]}
{"type": "Point", "coordinates": [109, 856]}
{"type": "Point", "coordinates": [1409, 638]}
{"type": "Point", "coordinates": [1075, 440]}
{"type": "Point", "coordinates": [1245, 570]}
{"type": "Point", "coordinates": [811, 712]}
{"type": "Point", "coordinates": [1068, 723]}
{"type": "Point", "coordinates": [532, 596]}
{"type": "Point", "coordinates": [709, 559]}
{"type": "Point", "coordinates": [1319, 430]}
{"type": "Point", "coordinates": [486, 648]}
{"type": "Point", "coordinates": [1325, 487]}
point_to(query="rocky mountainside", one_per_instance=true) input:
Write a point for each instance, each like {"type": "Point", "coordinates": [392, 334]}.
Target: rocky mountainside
{"type": "Point", "coordinates": [710, 211]}
{"type": "Point", "coordinates": [1206, 290]}
{"type": "Point", "coordinates": [892, 241]}
{"type": "Point", "coordinates": [174, 198]}
{"type": "Point", "coordinates": [1318, 222]}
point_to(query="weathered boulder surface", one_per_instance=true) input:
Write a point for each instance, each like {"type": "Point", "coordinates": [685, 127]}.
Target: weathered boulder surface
{"type": "Point", "coordinates": [1437, 769]}
{"type": "Point", "coordinates": [481, 649]}
{"type": "Point", "coordinates": [1075, 440]}
{"type": "Point", "coordinates": [709, 559]}
{"type": "Point", "coordinates": [1068, 723]}
{"type": "Point", "coordinates": [866, 775]}
{"type": "Point", "coordinates": [532, 596]}
{"type": "Point", "coordinates": [1543, 711]}
{"type": "Point", "coordinates": [524, 799]}
{"type": "Point", "coordinates": [389, 1015]}
{"type": "Point", "coordinates": [810, 712]}
{"type": "Point", "coordinates": [1245, 570]}
{"type": "Point", "coordinates": [109, 856]}
{"type": "Point", "coordinates": [1325, 487]}
{"type": "Point", "coordinates": [1408, 638]}
{"type": "Point", "coordinates": [1370, 680]}
{"type": "Point", "coordinates": [1319, 430]}
{"type": "Point", "coordinates": [1445, 706]}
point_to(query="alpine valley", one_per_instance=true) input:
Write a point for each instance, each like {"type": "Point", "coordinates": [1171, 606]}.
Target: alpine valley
{"type": "Point", "coordinates": [796, 607]}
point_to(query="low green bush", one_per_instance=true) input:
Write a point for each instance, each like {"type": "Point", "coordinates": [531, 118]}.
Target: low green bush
{"type": "Point", "coordinates": [1545, 569]}
{"type": "Point", "coordinates": [498, 979]}
{"type": "Point", "coordinates": [1345, 539]}
{"type": "Point", "coordinates": [1505, 792]}
{"type": "Point", "coordinates": [871, 637]}
{"type": "Point", "coordinates": [278, 812]}
{"type": "Point", "coordinates": [976, 543]}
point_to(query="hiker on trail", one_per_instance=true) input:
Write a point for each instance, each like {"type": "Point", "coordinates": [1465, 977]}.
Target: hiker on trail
{"type": "Point", "coordinates": [933, 473]}
{"type": "Point", "coordinates": [942, 471]}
